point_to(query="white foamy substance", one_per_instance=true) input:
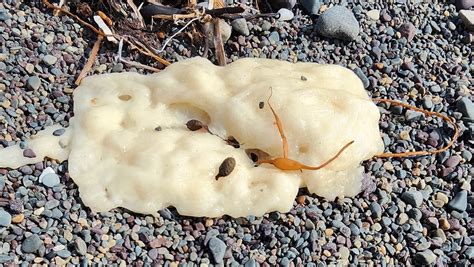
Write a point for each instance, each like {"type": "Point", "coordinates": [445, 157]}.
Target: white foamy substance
{"type": "Point", "coordinates": [118, 159]}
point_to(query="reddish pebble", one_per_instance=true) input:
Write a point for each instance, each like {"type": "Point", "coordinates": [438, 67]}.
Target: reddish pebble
{"type": "Point", "coordinates": [28, 153]}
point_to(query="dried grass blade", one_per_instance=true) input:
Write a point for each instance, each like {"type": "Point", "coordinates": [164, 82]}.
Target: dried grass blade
{"type": "Point", "coordinates": [220, 54]}
{"type": "Point", "coordinates": [90, 60]}
{"type": "Point", "coordinates": [137, 13]}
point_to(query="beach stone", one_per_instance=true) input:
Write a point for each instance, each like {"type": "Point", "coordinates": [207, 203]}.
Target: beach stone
{"type": "Point", "coordinates": [469, 253]}
{"type": "Point", "coordinates": [464, 4]}
{"type": "Point", "coordinates": [452, 161]}
{"type": "Point", "coordinates": [466, 107]}
{"type": "Point", "coordinates": [338, 22]}
{"type": "Point", "coordinates": [277, 4]}
{"type": "Point", "coordinates": [425, 257]}
{"type": "Point", "coordinates": [459, 202]}
{"type": "Point", "coordinates": [28, 153]}
{"type": "Point", "coordinates": [51, 180]}
{"type": "Point", "coordinates": [33, 83]}
{"type": "Point", "coordinates": [4, 15]}
{"type": "Point", "coordinates": [467, 17]}
{"type": "Point", "coordinates": [217, 248]}
{"type": "Point", "coordinates": [50, 60]}
{"type": "Point", "coordinates": [311, 6]}
{"type": "Point", "coordinates": [442, 197]}
{"type": "Point", "coordinates": [80, 246]}
{"type": "Point", "coordinates": [31, 244]}
{"type": "Point", "coordinates": [240, 26]}
{"type": "Point", "coordinates": [362, 77]}
{"type": "Point", "coordinates": [373, 14]}
{"type": "Point", "coordinates": [412, 115]}
{"type": "Point", "coordinates": [59, 132]}
{"type": "Point", "coordinates": [285, 14]}
{"type": "Point", "coordinates": [5, 218]}
{"type": "Point", "coordinates": [413, 197]}
{"type": "Point", "coordinates": [408, 31]}
{"type": "Point", "coordinates": [376, 209]}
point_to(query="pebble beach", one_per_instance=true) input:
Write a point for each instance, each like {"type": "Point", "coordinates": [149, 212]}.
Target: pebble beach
{"type": "Point", "coordinates": [412, 211]}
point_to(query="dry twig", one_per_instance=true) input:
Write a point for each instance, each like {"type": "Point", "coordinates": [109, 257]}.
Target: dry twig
{"type": "Point", "coordinates": [220, 54]}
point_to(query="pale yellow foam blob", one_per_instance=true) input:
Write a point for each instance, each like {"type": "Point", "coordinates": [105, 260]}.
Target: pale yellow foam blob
{"type": "Point", "coordinates": [118, 159]}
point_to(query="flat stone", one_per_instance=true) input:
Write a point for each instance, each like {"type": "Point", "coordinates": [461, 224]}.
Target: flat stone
{"type": "Point", "coordinates": [452, 161]}
{"type": "Point", "coordinates": [411, 115]}
{"type": "Point", "coordinates": [59, 132]}
{"type": "Point", "coordinates": [362, 77]}
{"type": "Point", "coordinates": [217, 248]}
{"type": "Point", "coordinates": [311, 6]}
{"type": "Point", "coordinates": [467, 16]}
{"type": "Point", "coordinates": [408, 31]}
{"type": "Point", "coordinates": [466, 107]}
{"type": "Point", "coordinates": [29, 68]}
{"type": "Point", "coordinates": [459, 202]}
{"type": "Point", "coordinates": [373, 14]}
{"type": "Point", "coordinates": [51, 180]}
{"type": "Point", "coordinates": [413, 197]}
{"type": "Point", "coordinates": [50, 60]}
{"type": "Point", "coordinates": [28, 153]}
{"type": "Point", "coordinates": [33, 83]}
{"type": "Point", "coordinates": [442, 197]}
{"type": "Point", "coordinates": [285, 15]}
{"type": "Point", "coordinates": [425, 257]}
{"type": "Point", "coordinates": [469, 253]}
{"type": "Point", "coordinates": [31, 244]}
{"type": "Point", "coordinates": [5, 218]}
{"type": "Point", "coordinates": [464, 4]}
{"type": "Point", "coordinates": [338, 22]}
{"type": "Point", "coordinates": [240, 26]}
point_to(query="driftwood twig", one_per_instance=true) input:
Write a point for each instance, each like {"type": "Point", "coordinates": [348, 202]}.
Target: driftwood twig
{"type": "Point", "coordinates": [218, 44]}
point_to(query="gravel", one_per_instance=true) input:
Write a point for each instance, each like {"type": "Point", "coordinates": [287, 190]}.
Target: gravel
{"type": "Point", "coordinates": [412, 210]}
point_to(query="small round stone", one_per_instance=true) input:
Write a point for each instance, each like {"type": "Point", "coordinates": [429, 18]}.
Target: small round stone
{"type": "Point", "coordinates": [338, 22]}
{"type": "Point", "coordinates": [31, 244]}
{"type": "Point", "coordinates": [51, 180]}
{"type": "Point", "coordinates": [50, 60]}
{"type": "Point", "coordinates": [5, 218]}
{"type": "Point", "coordinates": [29, 153]}
{"type": "Point", "coordinates": [33, 83]}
